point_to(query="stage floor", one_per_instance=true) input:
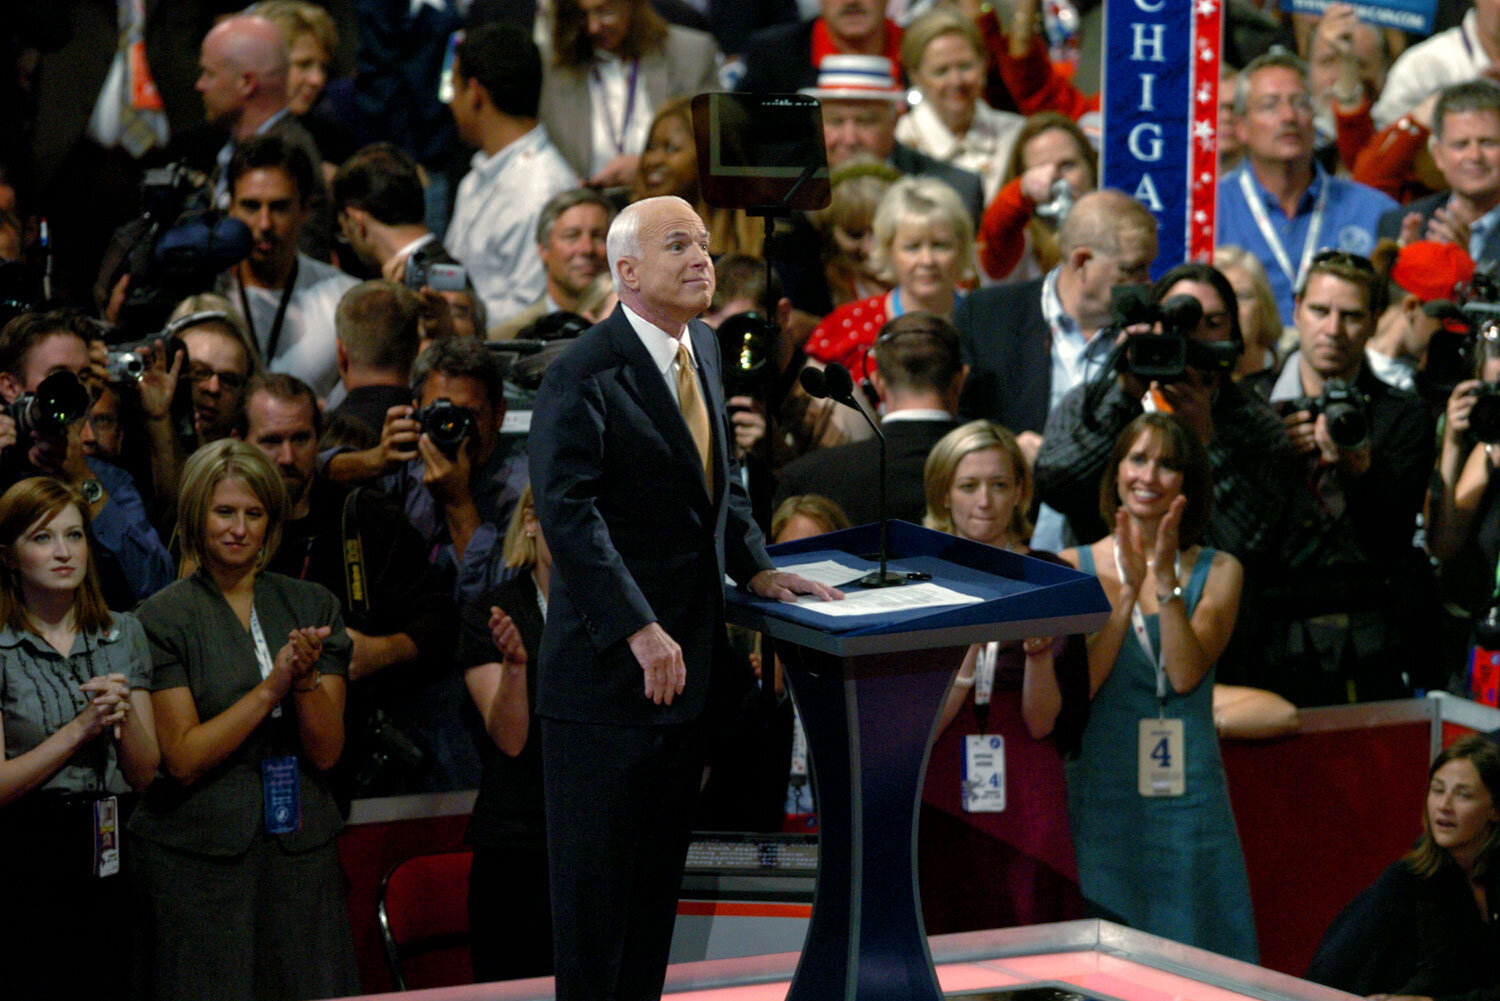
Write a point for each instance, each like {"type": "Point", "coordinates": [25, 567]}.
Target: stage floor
{"type": "Point", "coordinates": [1096, 958]}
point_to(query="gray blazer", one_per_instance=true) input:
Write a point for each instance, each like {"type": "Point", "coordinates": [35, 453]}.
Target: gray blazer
{"type": "Point", "coordinates": [687, 65]}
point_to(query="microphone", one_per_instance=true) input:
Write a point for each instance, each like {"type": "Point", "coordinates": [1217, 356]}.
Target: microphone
{"type": "Point", "coordinates": [835, 383]}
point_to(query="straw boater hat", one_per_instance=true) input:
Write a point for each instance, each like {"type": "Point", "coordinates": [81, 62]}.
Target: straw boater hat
{"type": "Point", "coordinates": [845, 77]}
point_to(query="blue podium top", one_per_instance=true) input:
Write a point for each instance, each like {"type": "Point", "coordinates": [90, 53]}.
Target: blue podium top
{"type": "Point", "coordinates": [1018, 596]}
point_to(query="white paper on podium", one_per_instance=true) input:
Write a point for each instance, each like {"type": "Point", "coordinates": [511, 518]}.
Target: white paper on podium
{"type": "Point", "coordinates": [829, 572]}
{"type": "Point", "coordinates": [889, 599]}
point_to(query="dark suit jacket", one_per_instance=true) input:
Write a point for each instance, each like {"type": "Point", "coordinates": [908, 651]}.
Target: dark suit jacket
{"type": "Point", "coordinates": [967, 183]}
{"type": "Point", "coordinates": [1389, 227]}
{"type": "Point", "coordinates": [779, 60]}
{"type": "Point", "coordinates": [634, 533]}
{"type": "Point", "coordinates": [849, 474]}
{"type": "Point", "coordinates": [1006, 346]}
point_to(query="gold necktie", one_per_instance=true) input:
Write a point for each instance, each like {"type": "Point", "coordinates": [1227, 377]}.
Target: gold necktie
{"type": "Point", "coordinates": [690, 399]}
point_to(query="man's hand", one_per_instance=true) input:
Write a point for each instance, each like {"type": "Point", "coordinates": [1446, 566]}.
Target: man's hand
{"type": "Point", "coordinates": [749, 423]}
{"type": "Point", "coordinates": [446, 479]}
{"type": "Point", "coordinates": [158, 383]}
{"type": "Point", "coordinates": [1300, 431]}
{"type": "Point", "coordinates": [661, 662]}
{"type": "Point", "coordinates": [617, 173]}
{"type": "Point", "coordinates": [1191, 399]}
{"type": "Point", "coordinates": [1450, 224]}
{"type": "Point", "coordinates": [1352, 461]}
{"type": "Point", "coordinates": [394, 270]}
{"type": "Point", "coordinates": [1411, 228]}
{"type": "Point", "coordinates": [96, 376]}
{"type": "Point", "coordinates": [1030, 444]}
{"type": "Point", "coordinates": [435, 315]}
{"type": "Point", "coordinates": [786, 587]}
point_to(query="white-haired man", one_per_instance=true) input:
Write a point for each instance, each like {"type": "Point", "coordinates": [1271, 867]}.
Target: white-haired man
{"type": "Point", "coordinates": [643, 512]}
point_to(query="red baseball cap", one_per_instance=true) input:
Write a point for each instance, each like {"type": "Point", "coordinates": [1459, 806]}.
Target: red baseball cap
{"type": "Point", "coordinates": [1430, 270]}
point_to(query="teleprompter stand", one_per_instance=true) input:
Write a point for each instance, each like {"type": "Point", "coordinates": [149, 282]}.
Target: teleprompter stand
{"type": "Point", "coordinates": [869, 689]}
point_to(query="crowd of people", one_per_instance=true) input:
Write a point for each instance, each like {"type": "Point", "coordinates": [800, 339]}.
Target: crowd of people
{"type": "Point", "coordinates": [280, 526]}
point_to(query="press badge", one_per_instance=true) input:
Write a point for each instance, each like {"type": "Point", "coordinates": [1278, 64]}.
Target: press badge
{"type": "Point", "coordinates": [1162, 770]}
{"type": "Point", "coordinates": [106, 836]}
{"type": "Point", "coordinates": [984, 773]}
{"type": "Point", "coordinates": [283, 792]}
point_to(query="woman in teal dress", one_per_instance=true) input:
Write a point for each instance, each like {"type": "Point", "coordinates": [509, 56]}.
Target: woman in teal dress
{"type": "Point", "coordinates": [1166, 862]}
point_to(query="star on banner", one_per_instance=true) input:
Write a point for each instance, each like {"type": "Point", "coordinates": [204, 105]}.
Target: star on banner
{"type": "Point", "coordinates": [1200, 217]}
{"type": "Point", "coordinates": [1206, 8]}
{"type": "Point", "coordinates": [1203, 131]}
{"type": "Point", "coordinates": [1206, 52]}
{"type": "Point", "coordinates": [1205, 94]}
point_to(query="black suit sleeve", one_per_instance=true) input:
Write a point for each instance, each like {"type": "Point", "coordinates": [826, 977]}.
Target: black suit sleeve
{"type": "Point", "coordinates": [568, 444]}
{"type": "Point", "coordinates": [1075, 452]}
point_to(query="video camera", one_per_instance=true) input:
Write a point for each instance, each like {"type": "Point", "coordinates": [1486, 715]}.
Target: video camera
{"type": "Point", "coordinates": [1165, 356]}
{"type": "Point", "coordinates": [127, 364]}
{"type": "Point", "coordinates": [177, 248]}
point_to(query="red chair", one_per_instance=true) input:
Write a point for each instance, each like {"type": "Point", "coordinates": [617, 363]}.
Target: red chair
{"type": "Point", "coordinates": [424, 920]}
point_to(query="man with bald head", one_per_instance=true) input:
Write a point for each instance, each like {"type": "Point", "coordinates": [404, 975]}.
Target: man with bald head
{"type": "Point", "coordinates": [1027, 344]}
{"type": "Point", "coordinates": [242, 81]}
{"type": "Point", "coordinates": [641, 506]}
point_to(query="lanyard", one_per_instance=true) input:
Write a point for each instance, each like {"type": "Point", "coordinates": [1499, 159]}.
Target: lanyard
{"type": "Point", "coordinates": [276, 324]}
{"type": "Point", "coordinates": [1138, 623]}
{"type": "Point", "coordinates": [618, 138]}
{"type": "Point", "coordinates": [262, 652]}
{"type": "Point", "coordinates": [1314, 228]}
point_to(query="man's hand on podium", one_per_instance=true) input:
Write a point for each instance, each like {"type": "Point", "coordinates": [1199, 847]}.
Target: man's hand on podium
{"type": "Point", "coordinates": [786, 587]}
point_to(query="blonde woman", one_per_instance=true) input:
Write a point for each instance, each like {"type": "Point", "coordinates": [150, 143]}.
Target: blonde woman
{"type": "Point", "coordinates": [1033, 694]}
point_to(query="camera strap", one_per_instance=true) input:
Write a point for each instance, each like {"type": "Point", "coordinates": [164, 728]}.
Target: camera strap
{"type": "Point", "coordinates": [1278, 249]}
{"type": "Point", "coordinates": [356, 581]}
{"type": "Point", "coordinates": [278, 322]}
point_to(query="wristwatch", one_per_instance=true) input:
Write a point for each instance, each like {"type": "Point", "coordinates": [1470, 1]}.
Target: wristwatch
{"type": "Point", "coordinates": [92, 490]}
{"type": "Point", "coordinates": [1173, 595]}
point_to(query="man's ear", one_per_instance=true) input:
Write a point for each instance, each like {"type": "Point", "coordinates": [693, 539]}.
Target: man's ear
{"type": "Point", "coordinates": [341, 357]}
{"type": "Point", "coordinates": [625, 268]}
{"type": "Point", "coordinates": [1078, 257]}
{"type": "Point", "coordinates": [10, 387]}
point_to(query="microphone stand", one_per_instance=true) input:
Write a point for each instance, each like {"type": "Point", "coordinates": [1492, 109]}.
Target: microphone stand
{"type": "Point", "coordinates": [837, 384]}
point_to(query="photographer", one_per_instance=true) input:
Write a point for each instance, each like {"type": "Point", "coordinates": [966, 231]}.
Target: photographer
{"type": "Point", "coordinates": [1466, 508]}
{"type": "Point", "coordinates": [46, 440]}
{"type": "Point", "coordinates": [1247, 450]}
{"type": "Point", "coordinates": [1347, 615]}
{"type": "Point", "coordinates": [446, 463]}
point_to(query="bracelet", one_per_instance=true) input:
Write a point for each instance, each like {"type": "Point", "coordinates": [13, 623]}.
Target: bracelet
{"type": "Point", "coordinates": [317, 679]}
{"type": "Point", "coordinates": [962, 682]}
{"type": "Point", "coordinates": [1173, 595]}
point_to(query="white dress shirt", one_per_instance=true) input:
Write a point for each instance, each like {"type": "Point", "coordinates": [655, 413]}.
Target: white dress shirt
{"type": "Point", "coordinates": [613, 120]}
{"type": "Point", "coordinates": [493, 229]}
{"type": "Point", "coordinates": [662, 347]}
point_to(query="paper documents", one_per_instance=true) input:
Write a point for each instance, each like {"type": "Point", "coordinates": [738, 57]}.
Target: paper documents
{"type": "Point", "coordinates": [888, 599]}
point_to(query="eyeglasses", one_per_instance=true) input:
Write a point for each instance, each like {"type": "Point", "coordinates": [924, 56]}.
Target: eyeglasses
{"type": "Point", "coordinates": [231, 381]}
{"type": "Point", "coordinates": [1343, 259]}
{"type": "Point", "coordinates": [1265, 105]}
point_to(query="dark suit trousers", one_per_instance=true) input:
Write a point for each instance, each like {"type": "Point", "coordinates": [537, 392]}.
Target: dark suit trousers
{"type": "Point", "coordinates": [619, 808]}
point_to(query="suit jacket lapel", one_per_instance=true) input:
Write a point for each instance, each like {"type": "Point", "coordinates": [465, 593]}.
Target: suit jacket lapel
{"type": "Point", "coordinates": [706, 351]}
{"type": "Point", "coordinates": [644, 382]}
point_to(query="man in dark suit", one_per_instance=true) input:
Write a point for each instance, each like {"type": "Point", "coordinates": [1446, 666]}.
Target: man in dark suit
{"type": "Point", "coordinates": [1027, 344]}
{"type": "Point", "coordinates": [1465, 146]}
{"type": "Point", "coordinates": [918, 376]}
{"type": "Point", "coordinates": [642, 509]}
{"type": "Point", "coordinates": [786, 57]}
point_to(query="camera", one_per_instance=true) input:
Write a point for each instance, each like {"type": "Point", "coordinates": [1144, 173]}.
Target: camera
{"type": "Point", "coordinates": [436, 275]}
{"type": "Point", "coordinates": [1060, 204]}
{"type": "Point", "coordinates": [1484, 419]}
{"type": "Point", "coordinates": [447, 424]}
{"type": "Point", "coordinates": [747, 344]}
{"type": "Point", "coordinates": [59, 400]}
{"type": "Point", "coordinates": [126, 364]}
{"type": "Point", "coordinates": [1344, 407]}
{"type": "Point", "coordinates": [1165, 356]}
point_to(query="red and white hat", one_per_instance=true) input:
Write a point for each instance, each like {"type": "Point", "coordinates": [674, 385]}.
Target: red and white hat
{"type": "Point", "coordinates": [848, 77]}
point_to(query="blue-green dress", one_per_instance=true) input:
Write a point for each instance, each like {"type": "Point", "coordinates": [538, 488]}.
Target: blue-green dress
{"type": "Point", "coordinates": [1168, 865]}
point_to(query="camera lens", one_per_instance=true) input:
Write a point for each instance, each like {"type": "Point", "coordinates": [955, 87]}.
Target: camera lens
{"type": "Point", "coordinates": [1484, 419]}
{"type": "Point", "coordinates": [1347, 425]}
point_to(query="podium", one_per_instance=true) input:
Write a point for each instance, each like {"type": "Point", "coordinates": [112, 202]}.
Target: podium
{"type": "Point", "coordinates": [869, 689]}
